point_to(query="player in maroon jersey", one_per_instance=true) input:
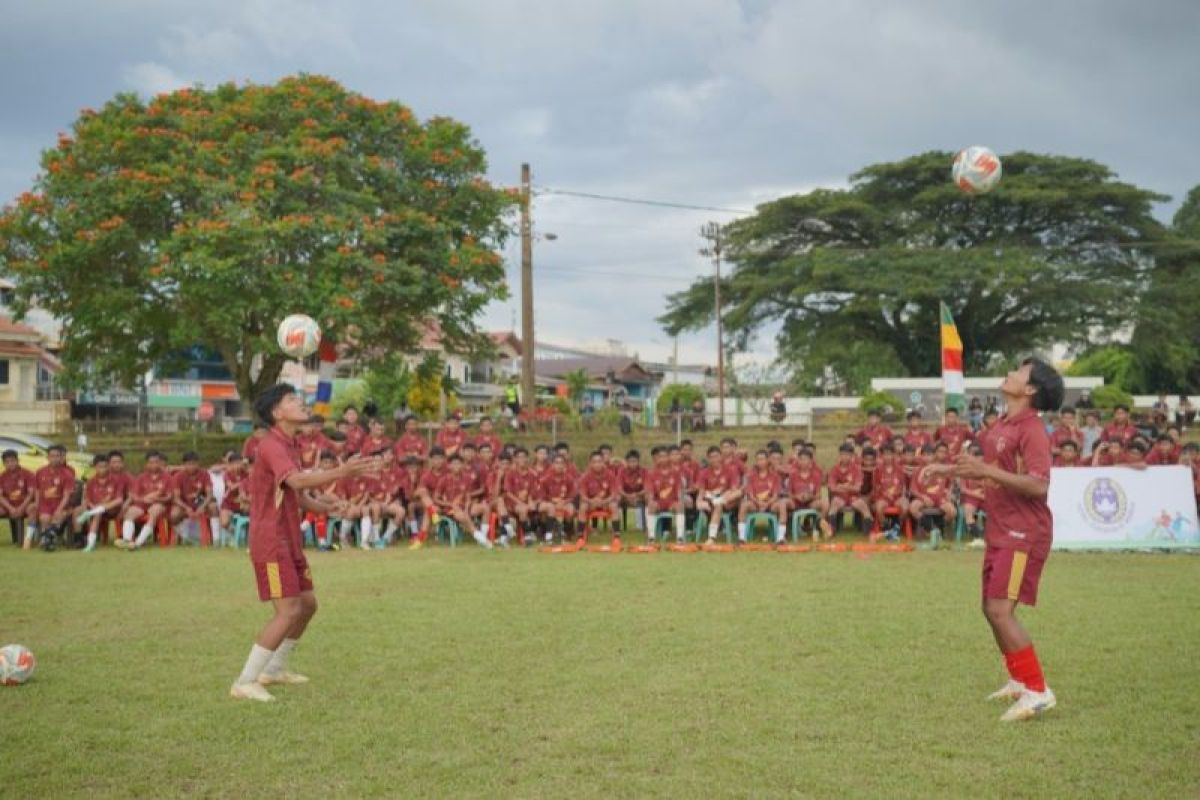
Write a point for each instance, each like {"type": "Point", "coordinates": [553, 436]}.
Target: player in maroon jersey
{"type": "Point", "coordinates": [1015, 469]}
{"type": "Point", "coordinates": [17, 497]}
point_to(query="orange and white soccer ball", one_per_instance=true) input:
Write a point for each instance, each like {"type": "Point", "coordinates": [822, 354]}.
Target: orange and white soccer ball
{"type": "Point", "coordinates": [976, 170]}
{"type": "Point", "coordinates": [16, 664]}
{"type": "Point", "coordinates": [299, 336]}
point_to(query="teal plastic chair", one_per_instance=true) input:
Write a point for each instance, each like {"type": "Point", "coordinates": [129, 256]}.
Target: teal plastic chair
{"type": "Point", "coordinates": [798, 518]}
{"type": "Point", "coordinates": [700, 529]}
{"type": "Point", "coordinates": [334, 528]}
{"type": "Point", "coordinates": [241, 531]}
{"type": "Point", "coordinates": [960, 523]}
{"type": "Point", "coordinates": [752, 521]}
{"type": "Point", "coordinates": [447, 530]}
{"type": "Point", "coordinates": [659, 519]}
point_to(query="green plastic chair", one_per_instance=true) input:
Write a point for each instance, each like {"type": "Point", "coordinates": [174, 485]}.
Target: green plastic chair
{"type": "Point", "coordinates": [753, 519]}
{"type": "Point", "coordinates": [798, 517]}
{"type": "Point", "coordinates": [241, 531]}
{"type": "Point", "coordinates": [659, 519]}
{"type": "Point", "coordinates": [960, 523]}
{"type": "Point", "coordinates": [447, 530]}
{"type": "Point", "coordinates": [700, 529]}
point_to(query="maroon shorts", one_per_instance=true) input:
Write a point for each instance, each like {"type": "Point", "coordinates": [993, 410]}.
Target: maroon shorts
{"type": "Point", "coordinates": [1011, 575]}
{"type": "Point", "coordinates": [287, 577]}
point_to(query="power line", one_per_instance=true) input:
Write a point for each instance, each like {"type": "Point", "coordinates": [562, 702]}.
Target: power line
{"type": "Point", "coordinates": [639, 201]}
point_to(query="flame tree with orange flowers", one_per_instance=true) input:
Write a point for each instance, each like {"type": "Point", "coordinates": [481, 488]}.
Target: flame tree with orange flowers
{"type": "Point", "coordinates": [205, 216]}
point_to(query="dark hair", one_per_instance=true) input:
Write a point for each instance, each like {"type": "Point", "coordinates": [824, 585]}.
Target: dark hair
{"type": "Point", "coordinates": [56, 448]}
{"type": "Point", "coordinates": [1121, 407]}
{"type": "Point", "coordinates": [541, 447]}
{"type": "Point", "coordinates": [712, 449]}
{"type": "Point", "coordinates": [914, 414]}
{"type": "Point", "coordinates": [604, 447]}
{"type": "Point", "coordinates": [797, 443]}
{"type": "Point", "coordinates": [1191, 447]}
{"type": "Point", "coordinates": [869, 451]}
{"type": "Point", "coordinates": [9, 454]}
{"type": "Point", "coordinates": [873, 412]}
{"type": "Point", "coordinates": [374, 421]}
{"type": "Point", "coordinates": [190, 456]}
{"type": "Point", "coordinates": [1048, 384]}
{"type": "Point", "coordinates": [350, 407]}
{"type": "Point", "coordinates": [1067, 410]}
{"type": "Point", "coordinates": [116, 454]}
{"type": "Point", "coordinates": [484, 419]}
{"type": "Point", "coordinates": [155, 454]}
{"type": "Point", "coordinates": [634, 454]}
{"type": "Point", "coordinates": [729, 440]}
{"type": "Point", "coordinates": [315, 419]}
{"type": "Point", "coordinates": [952, 410]}
{"type": "Point", "coordinates": [436, 451]}
{"type": "Point", "coordinates": [846, 448]}
{"type": "Point", "coordinates": [455, 457]}
{"type": "Point", "coordinates": [1071, 443]}
{"type": "Point", "coordinates": [672, 448]}
{"type": "Point", "coordinates": [519, 451]}
{"type": "Point", "coordinates": [685, 442]}
{"type": "Point", "coordinates": [336, 436]}
{"type": "Point", "coordinates": [1162, 437]}
{"type": "Point", "coordinates": [1138, 445]}
{"type": "Point", "coordinates": [561, 446]}
{"type": "Point", "coordinates": [96, 460]}
{"type": "Point", "coordinates": [266, 403]}
{"type": "Point", "coordinates": [760, 452]}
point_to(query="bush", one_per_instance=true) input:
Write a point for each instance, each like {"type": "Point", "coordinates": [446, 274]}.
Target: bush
{"type": "Point", "coordinates": [1109, 397]}
{"type": "Point", "coordinates": [686, 392]}
{"type": "Point", "coordinates": [883, 402]}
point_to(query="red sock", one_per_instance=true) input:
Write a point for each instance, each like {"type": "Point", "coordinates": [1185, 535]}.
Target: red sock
{"type": "Point", "coordinates": [1023, 666]}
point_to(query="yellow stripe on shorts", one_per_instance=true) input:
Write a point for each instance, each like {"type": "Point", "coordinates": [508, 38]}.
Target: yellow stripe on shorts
{"type": "Point", "coordinates": [276, 586]}
{"type": "Point", "coordinates": [1017, 575]}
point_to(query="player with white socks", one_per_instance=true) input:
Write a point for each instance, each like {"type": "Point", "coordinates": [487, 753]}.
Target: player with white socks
{"type": "Point", "coordinates": [720, 490]}
{"type": "Point", "coordinates": [453, 497]}
{"type": "Point", "coordinates": [664, 493]}
{"type": "Point", "coordinates": [761, 496]}
{"type": "Point", "coordinates": [277, 492]}
{"type": "Point", "coordinates": [152, 494]}
{"type": "Point", "coordinates": [104, 495]}
{"type": "Point", "coordinates": [193, 495]}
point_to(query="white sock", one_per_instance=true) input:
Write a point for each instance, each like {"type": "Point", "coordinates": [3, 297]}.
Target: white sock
{"type": "Point", "coordinates": [278, 662]}
{"type": "Point", "coordinates": [741, 531]}
{"type": "Point", "coordinates": [217, 534]}
{"type": "Point", "coordinates": [145, 534]}
{"type": "Point", "coordinates": [484, 529]}
{"type": "Point", "coordinates": [780, 533]}
{"type": "Point", "coordinates": [679, 527]}
{"type": "Point", "coordinates": [255, 664]}
{"type": "Point", "coordinates": [91, 540]}
{"type": "Point", "coordinates": [390, 532]}
{"type": "Point", "coordinates": [344, 530]}
{"type": "Point", "coordinates": [31, 531]}
{"type": "Point", "coordinates": [364, 532]}
{"type": "Point", "coordinates": [510, 529]}
{"type": "Point", "coordinates": [127, 530]}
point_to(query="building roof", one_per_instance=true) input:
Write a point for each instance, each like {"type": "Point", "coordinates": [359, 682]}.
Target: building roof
{"type": "Point", "coordinates": [431, 337]}
{"type": "Point", "coordinates": [623, 368]}
{"type": "Point", "coordinates": [17, 330]}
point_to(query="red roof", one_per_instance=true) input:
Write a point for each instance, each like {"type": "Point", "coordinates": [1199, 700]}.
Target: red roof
{"type": "Point", "coordinates": [7, 326]}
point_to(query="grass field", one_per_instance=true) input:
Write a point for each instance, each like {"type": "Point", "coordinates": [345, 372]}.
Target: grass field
{"type": "Point", "coordinates": [517, 674]}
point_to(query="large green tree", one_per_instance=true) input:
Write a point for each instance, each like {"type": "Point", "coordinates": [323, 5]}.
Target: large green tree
{"type": "Point", "coordinates": [854, 277]}
{"type": "Point", "coordinates": [1166, 341]}
{"type": "Point", "coordinates": [209, 215]}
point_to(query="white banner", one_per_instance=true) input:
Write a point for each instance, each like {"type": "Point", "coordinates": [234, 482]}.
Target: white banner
{"type": "Point", "coordinates": [1122, 508]}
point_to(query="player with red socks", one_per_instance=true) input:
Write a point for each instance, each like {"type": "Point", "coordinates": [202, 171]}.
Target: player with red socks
{"type": "Point", "coordinates": [1015, 469]}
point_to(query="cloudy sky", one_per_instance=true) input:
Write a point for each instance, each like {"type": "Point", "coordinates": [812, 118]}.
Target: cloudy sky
{"type": "Point", "coordinates": [715, 103]}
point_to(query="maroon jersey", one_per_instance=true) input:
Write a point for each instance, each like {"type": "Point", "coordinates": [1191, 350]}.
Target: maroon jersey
{"type": "Point", "coordinates": [155, 483]}
{"type": "Point", "coordinates": [1118, 433]}
{"type": "Point", "coordinates": [250, 447]}
{"type": "Point", "coordinates": [877, 436]}
{"type": "Point", "coordinates": [933, 489]}
{"type": "Point", "coordinates": [16, 485]}
{"type": "Point", "coordinates": [664, 484]}
{"type": "Point", "coordinates": [1019, 444]}
{"type": "Point", "coordinates": [804, 485]}
{"type": "Point", "coordinates": [455, 490]}
{"type": "Point", "coordinates": [521, 485]}
{"type": "Point", "coordinates": [1059, 461]}
{"type": "Point", "coordinates": [955, 436]}
{"type": "Point", "coordinates": [888, 482]}
{"type": "Point", "coordinates": [430, 478]}
{"type": "Point", "coordinates": [354, 489]}
{"type": "Point", "coordinates": [451, 440]}
{"type": "Point", "coordinates": [410, 482]}
{"type": "Point", "coordinates": [691, 473]}
{"type": "Point", "coordinates": [374, 444]}
{"type": "Point", "coordinates": [310, 445]}
{"type": "Point", "coordinates": [409, 444]}
{"type": "Point", "coordinates": [633, 479]}
{"type": "Point", "coordinates": [100, 491]}
{"type": "Point", "coordinates": [917, 439]}
{"type": "Point", "coordinates": [763, 486]}
{"type": "Point", "coordinates": [490, 439]}
{"type": "Point", "coordinates": [53, 484]}
{"type": "Point", "coordinates": [235, 498]}
{"type": "Point", "coordinates": [1158, 458]}
{"type": "Point", "coordinates": [850, 474]}
{"type": "Point", "coordinates": [391, 483]}
{"type": "Point", "coordinates": [718, 480]}
{"type": "Point", "coordinates": [595, 485]}
{"type": "Point", "coordinates": [274, 506]}
{"type": "Point", "coordinates": [191, 485]}
{"type": "Point", "coordinates": [556, 487]}
{"type": "Point", "coordinates": [972, 491]}
{"type": "Point", "coordinates": [354, 438]}
{"type": "Point", "coordinates": [1064, 434]}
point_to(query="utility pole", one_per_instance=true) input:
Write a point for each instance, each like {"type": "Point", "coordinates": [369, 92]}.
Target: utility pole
{"type": "Point", "coordinates": [712, 233]}
{"type": "Point", "coordinates": [528, 391]}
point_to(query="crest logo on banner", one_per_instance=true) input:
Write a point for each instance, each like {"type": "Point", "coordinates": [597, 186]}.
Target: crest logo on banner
{"type": "Point", "coordinates": [1105, 504]}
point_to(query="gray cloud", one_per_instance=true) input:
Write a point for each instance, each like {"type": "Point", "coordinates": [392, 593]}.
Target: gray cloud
{"type": "Point", "coordinates": [712, 102]}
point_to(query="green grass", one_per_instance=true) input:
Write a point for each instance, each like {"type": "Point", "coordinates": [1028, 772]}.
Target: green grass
{"type": "Point", "coordinates": [469, 674]}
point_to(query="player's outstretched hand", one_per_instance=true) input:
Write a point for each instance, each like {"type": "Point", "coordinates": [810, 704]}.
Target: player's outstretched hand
{"type": "Point", "coordinates": [362, 465]}
{"type": "Point", "coordinates": [970, 467]}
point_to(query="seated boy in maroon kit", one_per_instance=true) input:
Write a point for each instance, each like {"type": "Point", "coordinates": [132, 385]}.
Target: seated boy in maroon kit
{"type": "Point", "coordinates": [453, 498]}
{"type": "Point", "coordinates": [664, 493]}
{"type": "Point", "coordinates": [557, 491]}
{"type": "Point", "coordinates": [519, 494]}
{"type": "Point", "coordinates": [845, 487]}
{"type": "Point", "coordinates": [972, 492]}
{"type": "Point", "coordinates": [874, 434]}
{"type": "Point", "coordinates": [487, 436]}
{"type": "Point", "coordinates": [1110, 454]}
{"type": "Point", "coordinates": [277, 489]}
{"type": "Point", "coordinates": [312, 440]}
{"type": "Point", "coordinates": [1066, 430]}
{"type": "Point", "coordinates": [598, 491]}
{"type": "Point", "coordinates": [732, 457]}
{"type": "Point", "coordinates": [410, 442]}
{"type": "Point", "coordinates": [632, 481]}
{"type": "Point", "coordinates": [888, 487]}
{"type": "Point", "coordinates": [17, 497]}
{"type": "Point", "coordinates": [1015, 469]}
{"type": "Point", "coordinates": [930, 490]}
{"type": "Point", "coordinates": [388, 500]}
{"type": "Point", "coordinates": [760, 495]}
{"type": "Point", "coordinates": [193, 494]}
{"type": "Point", "coordinates": [1165, 452]}
{"type": "Point", "coordinates": [1120, 429]}
{"type": "Point", "coordinates": [53, 486]}
{"type": "Point", "coordinates": [1068, 455]}
{"type": "Point", "coordinates": [803, 484]}
{"type": "Point", "coordinates": [353, 431]}
{"type": "Point", "coordinates": [149, 500]}
{"type": "Point", "coordinates": [237, 496]}
{"type": "Point", "coordinates": [955, 434]}
{"type": "Point", "coordinates": [916, 436]}
{"type": "Point", "coordinates": [451, 437]}
{"type": "Point", "coordinates": [718, 490]}
{"type": "Point", "coordinates": [104, 497]}
{"type": "Point", "coordinates": [424, 490]}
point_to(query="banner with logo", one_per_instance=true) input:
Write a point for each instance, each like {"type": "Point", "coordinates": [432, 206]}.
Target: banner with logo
{"type": "Point", "coordinates": [1121, 508]}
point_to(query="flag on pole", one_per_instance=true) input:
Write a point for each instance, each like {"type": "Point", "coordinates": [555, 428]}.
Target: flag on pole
{"type": "Point", "coordinates": [326, 367]}
{"type": "Point", "coordinates": [953, 388]}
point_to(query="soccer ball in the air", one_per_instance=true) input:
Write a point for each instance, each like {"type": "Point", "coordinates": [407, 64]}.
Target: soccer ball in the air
{"type": "Point", "coordinates": [299, 336]}
{"type": "Point", "coordinates": [976, 170]}
{"type": "Point", "coordinates": [16, 664]}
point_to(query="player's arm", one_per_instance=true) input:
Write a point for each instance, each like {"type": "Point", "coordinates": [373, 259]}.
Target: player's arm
{"type": "Point", "coordinates": [320, 477]}
{"type": "Point", "coordinates": [66, 496]}
{"type": "Point", "coordinates": [1030, 484]}
{"type": "Point", "coordinates": [321, 504]}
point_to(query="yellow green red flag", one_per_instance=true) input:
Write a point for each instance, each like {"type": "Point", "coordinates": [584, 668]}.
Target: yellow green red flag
{"type": "Point", "coordinates": [953, 387]}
